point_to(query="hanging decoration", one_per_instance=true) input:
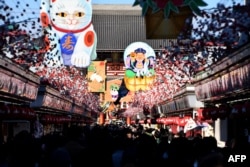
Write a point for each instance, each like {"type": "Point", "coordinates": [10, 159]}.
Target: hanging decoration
{"type": "Point", "coordinates": [111, 93]}
{"type": "Point", "coordinates": [97, 76]}
{"type": "Point", "coordinates": [67, 25]}
{"type": "Point", "coordinates": [139, 59]}
{"type": "Point", "coordinates": [168, 6]}
{"type": "Point", "coordinates": [22, 40]}
{"type": "Point", "coordinates": [114, 92]}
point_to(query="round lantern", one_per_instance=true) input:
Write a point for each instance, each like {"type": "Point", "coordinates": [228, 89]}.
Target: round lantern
{"type": "Point", "coordinates": [139, 60]}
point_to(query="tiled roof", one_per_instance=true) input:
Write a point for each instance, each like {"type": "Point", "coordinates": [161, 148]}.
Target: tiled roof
{"type": "Point", "coordinates": [119, 25]}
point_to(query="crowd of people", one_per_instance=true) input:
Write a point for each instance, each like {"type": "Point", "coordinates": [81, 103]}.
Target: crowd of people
{"type": "Point", "coordinates": [119, 146]}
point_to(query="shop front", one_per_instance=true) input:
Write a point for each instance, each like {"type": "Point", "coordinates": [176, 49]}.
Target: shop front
{"type": "Point", "coordinates": [224, 89]}
{"type": "Point", "coordinates": [18, 88]}
{"type": "Point", "coordinates": [53, 110]}
{"type": "Point", "coordinates": [182, 107]}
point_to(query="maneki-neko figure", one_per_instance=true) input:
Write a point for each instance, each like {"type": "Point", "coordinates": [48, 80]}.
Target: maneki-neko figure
{"type": "Point", "coordinates": [70, 32]}
{"type": "Point", "coordinates": [139, 60]}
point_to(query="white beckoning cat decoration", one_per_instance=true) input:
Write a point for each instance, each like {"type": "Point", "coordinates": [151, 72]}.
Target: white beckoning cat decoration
{"type": "Point", "coordinates": [71, 36]}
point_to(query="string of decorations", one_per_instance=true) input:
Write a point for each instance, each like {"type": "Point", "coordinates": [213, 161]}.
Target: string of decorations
{"type": "Point", "coordinates": [217, 33]}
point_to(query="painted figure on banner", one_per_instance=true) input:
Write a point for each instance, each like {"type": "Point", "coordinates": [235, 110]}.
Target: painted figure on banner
{"type": "Point", "coordinates": [96, 76]}
{"type": "Point", "coordinates": [70, 33]}
{"type": "Point", "coordinates": [139, 59]}
{"type": "Point", "coordinates": [114, 91]}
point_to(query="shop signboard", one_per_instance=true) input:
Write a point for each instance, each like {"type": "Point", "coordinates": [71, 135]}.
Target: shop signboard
{"type": "Point", "coordinates": [233, 81]}
{"type": "Point", "coordinates": [5, 82]}
{"type": "Point", "coordinates": [16, 82]}
{"type": "Point", "coordinates": [78, 109]}
{"type": "Point", "coordinates": [51, 99]}
{"type": "Point", "coordinates": [56, 103]}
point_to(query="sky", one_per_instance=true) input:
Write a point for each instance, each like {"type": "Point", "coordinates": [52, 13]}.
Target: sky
{"type": "Point", "coordinates": [31, 7]}
{"type": "Point", "coordinates": [113, 2]}
{"type": "Point", "coordinates": [211, 3]}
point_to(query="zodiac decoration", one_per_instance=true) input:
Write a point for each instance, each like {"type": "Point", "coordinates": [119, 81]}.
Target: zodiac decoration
{"type": "Point", "coordinates": [70, 33]}
{"type": "Point", "coordinates": [139, 59]}
{"type": "Point", "coordinates": [114, 91]}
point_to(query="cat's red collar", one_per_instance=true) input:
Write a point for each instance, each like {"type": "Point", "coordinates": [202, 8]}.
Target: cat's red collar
{"type": "Point", "coordinates": [70, 31]}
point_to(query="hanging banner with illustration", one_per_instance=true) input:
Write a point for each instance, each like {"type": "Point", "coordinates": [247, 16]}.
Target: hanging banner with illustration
{"type": "Point", "coordinates": [139, 60]}
{"type": "Point", "coordinates": [69, 32]}
{"type": "Point", "coordinates": [112, 90]}
{"type": "Point", "coordinates": [97, 76]}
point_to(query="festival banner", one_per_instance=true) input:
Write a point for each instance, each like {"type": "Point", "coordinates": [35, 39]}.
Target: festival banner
{"type": "Point", "coordinates": [139, 60]}
{"type": "Point", "coordinates": [97, 76]}
{"type": "Point", "coordinates": [111, 93]}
